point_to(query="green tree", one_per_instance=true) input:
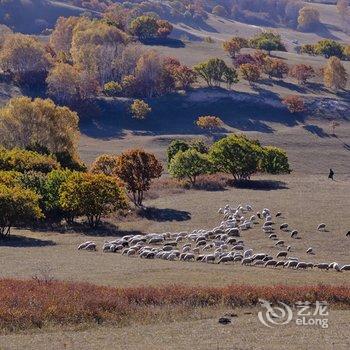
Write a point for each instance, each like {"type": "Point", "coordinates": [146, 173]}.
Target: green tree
{"type": "Point", "coordinates": [236, 155]}
{"type": "Point", "coordinates": [212, 71]}
{"type": "Point", "coordinates": [144, 27]}
{"type": "Point", "coordinates": [329, 48]}
{"type": "Point", "coordinates": [17, 206]}
{"type": "Point", "coordinates": [92, 195]}
{"type": "Point", "coordinates": [137, 169]}
{"type": "Point", "coordinates": [268, 41]}
{"type": "Point", "coordinates": [275, 160]}
{"type": "Point", "coordinates": [175, 147]}
{"type": "Point", "coordinates": [54, 180]}
{"type": "Point", "coordinates": [189, 164]}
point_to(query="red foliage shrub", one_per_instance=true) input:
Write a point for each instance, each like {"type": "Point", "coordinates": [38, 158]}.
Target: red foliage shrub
{"type": "Point", "coordinates": [30, 304]}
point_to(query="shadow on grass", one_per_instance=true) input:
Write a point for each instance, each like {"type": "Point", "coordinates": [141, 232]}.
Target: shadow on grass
{"type": "Point", "coordinates": [315, 130]}
{"type": "Point", "coordinates": [24, 242]}
{"type": "Point", "coordinates": [260, 185]}
{"type": "Point", "coordinates": [167, 214]}
{"type": "Point", "coordinates": [105, 228]}
{"type": "Point", "coordinates": [345, 145]}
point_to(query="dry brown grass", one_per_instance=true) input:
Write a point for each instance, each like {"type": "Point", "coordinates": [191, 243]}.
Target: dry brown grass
{"type": "Point", "coordinates": [42, 303]}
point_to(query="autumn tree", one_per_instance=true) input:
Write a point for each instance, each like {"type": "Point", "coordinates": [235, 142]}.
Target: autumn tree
{"type": "Point", "coordinates": [294, 103]}
{"type": "Point", "coordinates": [112, 88]}
{"type": "Point", "coordinates": [63, 83]}
{"type": "Point", "coordinates": [343, 7]}
{"type": "Point", "coordinates": [275, 68]}
{"type": "Point", "coordinates": [219, 10]}
{"type": "Point", "coordinates": [24, 56]}
{"type": "Point", "coordinates": [94, 47]}
{"type": "Point", "coordinates": [17, 206]}
{"type": "Point", "coordinates": [52, 127]}
{"type": "Point", "coordinates": [209, 123]}
{"type": "Point", "coordinates": [250, 72]}
{"type": "Point", "coordinates": [105, 164]}
{"type": "Point", "coordinates": [137, 169]}
{"type": "Point", "coordinates": [23, 161]}
{"type": "Point", "coordinates": [334, 74]}
{"type": "Point", "coordinates": [164, 28]}
{"type": "Point", "coordinates": [184, 76]}
{"type": "Point", "coordinates": [62, 35]}
{"type": "Point", "coordinates": [309, 17]}
{"type": "Point", "coordinates": [189, 164]}
{"type": "Point", "coordinates": [234, 45]}
{"type": "Point", "coordinates": [92, 195]}
{"type": "Point", "coordinates": [302, 73]}
{"type": "Point", "coordinates": [140, 109]}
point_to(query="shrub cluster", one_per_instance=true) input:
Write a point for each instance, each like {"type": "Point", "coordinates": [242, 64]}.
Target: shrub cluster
{"type": "Point", "coordinates": [33, 186]}
{"type": "Point", "coordinates": [236, 155]}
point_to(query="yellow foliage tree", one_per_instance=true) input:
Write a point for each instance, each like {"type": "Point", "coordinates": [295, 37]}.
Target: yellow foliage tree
{"type": "Point", "coordinates": [25, 122]}
{"type": "Point", "coordinates": [335, 75]}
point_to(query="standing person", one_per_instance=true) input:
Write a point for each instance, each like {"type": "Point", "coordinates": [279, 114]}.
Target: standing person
{"type": "Point", "coordinates": [331, 174]}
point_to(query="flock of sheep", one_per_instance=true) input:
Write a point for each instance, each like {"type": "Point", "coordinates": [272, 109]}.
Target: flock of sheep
{"type": "Point", "coordinates": [222, 244]}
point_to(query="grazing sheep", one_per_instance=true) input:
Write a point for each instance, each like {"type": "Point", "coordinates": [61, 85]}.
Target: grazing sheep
{"type": "Point", "coordinates": [310, 251]}
{"type": "Point", "coordinates": [188, 257]}
{"type": "Point", "coordinates": [248, 253]}
{"type": "Point", "coordinates": [259, 256]}
{"type": "Point", "coordinates": [272, 236]}
{"type": "Point", "coordinates": [284, 226]}
{"type": "Point", "coordinates": [288, 248]}
{"type": "Point", "coordinates": [225, 259]}
{"type": "Point", "coordinates": [302, 265]}
{"type": "Point", "coordinates": [280, 242]}
{"type": "Point", "coordinates": [334, 266]}
{"type": "Point", "coordinates": [291, 263]}
{"type": "Point", "coordinates": [258, 215]}
{"type": "Point", "coordinates": [91, 246]}
{"type": "Point", "coordinates": [282, 254]}
{"type": "Point", "coordinates": [238, 247]}
{"type": "Point", "coordinates": [321, 227]}
{"type": "Point", "coordinates": [84, 245]}
{"type": "Point", "coordinates": [270, 263]}
{"type": "Point", "coordinates": [280, 263]}
{"type": "Point", "coordinates": [294, 233]}
{"type": "Point", "coordinates": [247, 261]}
{"type": "Point", "coordinates": [267, 258]}
{"type": "Point", "coordinates": [258, 263]}
{"type": "Point", "coordinates": [345, 268]}
{"type": "Point", "coordinates": [348, 234]}
{"type": "Point", "coordinates": [209, 258]}
{"type": "Point", "coordinates": [322, 266]}
{"type": "Point", "coordinates": [238, 258]}
{"type": "Point", "coordinates": [278, 214]}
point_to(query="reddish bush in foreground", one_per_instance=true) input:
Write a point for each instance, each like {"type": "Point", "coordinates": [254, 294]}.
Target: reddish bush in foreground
{"type": "Point", "coordinates": [30, 304]}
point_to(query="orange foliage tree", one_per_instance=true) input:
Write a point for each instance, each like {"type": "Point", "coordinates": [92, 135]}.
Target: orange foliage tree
{"type": "Point", "coordinates": [137, 169]}
{"type": "Point", "coordinates": [295, 104]}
